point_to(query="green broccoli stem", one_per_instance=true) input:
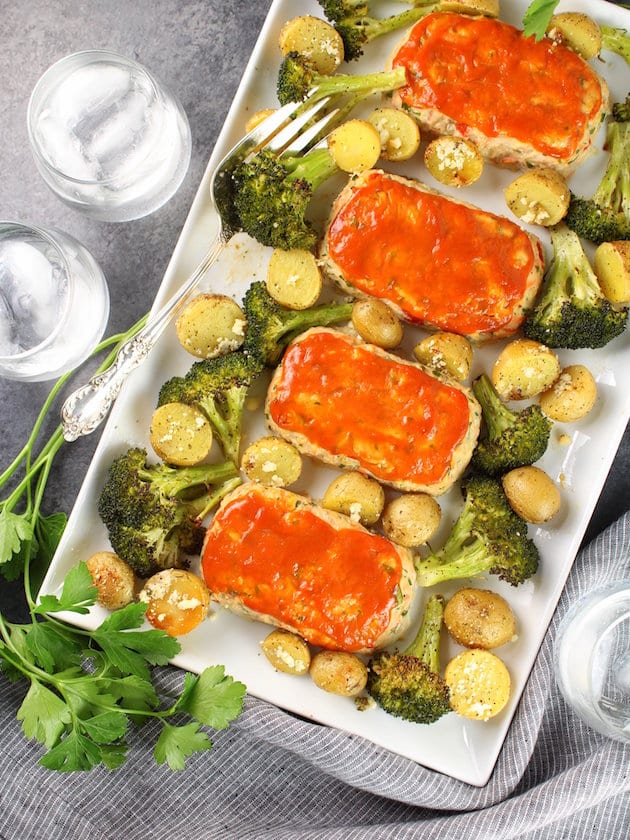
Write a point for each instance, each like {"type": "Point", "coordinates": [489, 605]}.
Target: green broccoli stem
{"type": "Point", "coordinates": [202, 506]}
{"type": "Point", "coordinates": [496, 415]}
{"type": "Point", "coordinates": [228, 428]}
{"type": "Point", "coordinates": [467, 559]}
{"type": "Point", "coordinates": [323, 315]}
{"type": "Point", "coordinates": [426, 645]}
{"type": "Point", "coordinates": [172, 481]}
{"type": "Point", "coordinates": [314, 167]}
{"type": "Point", "coordinates": [377, 27]}
{"type": "Point", "coordinates": [614, 188]}
{"type": "Point", "coordinates": [342, 84]}
{"type": "Point", "coordinates": [571, 266]}
{"type": "Point", "coordinates": [616, 40]}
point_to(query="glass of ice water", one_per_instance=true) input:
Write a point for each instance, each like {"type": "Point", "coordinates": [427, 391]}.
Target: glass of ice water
{"type": "Point", "coordinates": [107, 137]}
{"type": "Point", "coordinates": [592, 659]}
{"type": "Point", "coordinates": [54, 302]}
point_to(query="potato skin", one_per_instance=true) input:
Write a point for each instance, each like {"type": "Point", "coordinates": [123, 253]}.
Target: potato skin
{"type": "Point", "coordinates": [412, 519]}
{"type": "Point", "coordinates": [572, 396]}
{"type": "Point", "coordinates": [523, 369]}
{"type": "Point", "coordinates": [114, 579]}
{"type": "Point", "coordinates": [287, 651]}
{"type": "Point", "coordinates": [338, 672]}
{"type": "Point", "coordinates": [357, 496]}
{"type": "Point", "coordinates": [479, 618]}
{"type": "Point", "coordinates": [377, 323]}
{"type": "Point", "coordinates": [532, 494]}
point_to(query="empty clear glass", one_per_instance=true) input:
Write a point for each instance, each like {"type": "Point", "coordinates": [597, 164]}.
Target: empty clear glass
{"type": "Point", "coordinates": [107, 137]}
{"type": "Point", "coordinates": [592, 659]}
{"type": "Point", "coordinates": [54, 302]}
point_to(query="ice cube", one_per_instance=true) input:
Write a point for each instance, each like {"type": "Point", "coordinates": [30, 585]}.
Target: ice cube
{"type": "Point", "coordinates": [88, 90]}
{"type": "Point", "coordinates": [31, 287]}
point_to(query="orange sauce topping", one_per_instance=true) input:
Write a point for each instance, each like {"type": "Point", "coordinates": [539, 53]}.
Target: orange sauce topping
{"type": "Point", "coordinates": [336, 587]}
{"type": "Point", "coordinates": [483, 73]}
{"type": "Point", "coordinates": [457, 268]}
{"type": "Point", "coordinates": [398, 422]}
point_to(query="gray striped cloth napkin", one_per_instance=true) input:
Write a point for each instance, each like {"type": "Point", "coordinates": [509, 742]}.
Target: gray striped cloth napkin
{"type": "Point", "coordinates": [272, 775]}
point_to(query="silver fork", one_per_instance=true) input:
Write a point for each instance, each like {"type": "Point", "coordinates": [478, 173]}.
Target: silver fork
{"type": "Point", "coordinates": [293, 128]}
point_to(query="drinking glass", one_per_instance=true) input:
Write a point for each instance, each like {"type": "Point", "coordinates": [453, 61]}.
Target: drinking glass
{"type": "Point", "coordinates": [592, 659]}
{"type": "Point", "coordinates": [54, 302]}
{"type": "Point", "coordinates": [107, 137]}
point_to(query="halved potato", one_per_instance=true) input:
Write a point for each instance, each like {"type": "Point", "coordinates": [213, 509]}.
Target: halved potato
{"type": "Point", "coordinates": [572, 396]}
{"type": "Point", "coordinates": [272, 461]}
{"type": "Point", "coordinates": [211, 325]}
{"type": "Point", "coordinates": [479, 684]}
{"type": "Point", "coordinates": [523, 369]}
{"type": "Point", "coordinates": [399, 133]}
{"type": "Point", "coordinates": [355, 146]}
{"type": "Point", "coordinates": [612, 267]}
{"type": "Point", "coordinates": [539, 197]}
{"type": "Point", "coordinates": [293, 278]}
{"type": "Point", "coordinates": [377, 323]}
{"type": "Point", "coordinates": [180, 434]}
{"type": "Point", "coordinates": [357, 496]}
{"type": "Point", "coordinates": [453, 161]}
{"type": "Point", "coordinates": [316, 40]}
{"type": "Point", "coordinates": [447, 353]}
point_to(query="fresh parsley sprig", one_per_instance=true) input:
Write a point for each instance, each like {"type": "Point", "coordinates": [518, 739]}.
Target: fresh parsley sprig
{"type": "Point", "coordinates": [87, 688]}
{"type": "Point", "coordinates": [537, 17]}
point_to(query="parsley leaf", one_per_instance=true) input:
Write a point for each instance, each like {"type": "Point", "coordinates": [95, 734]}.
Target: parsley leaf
{"type": "Point", "coordinates": [78, 593]}
{"type": "Point", "coordinates": [177, 743]}
{"type": "Point", "coordinates": [44, 715]}
{"type": "Point", "coordinates": [537, 17]}
{"type": "Point", "coordinates": [213, 698]}
{"type": "Point", "coordinates": [15, 529]}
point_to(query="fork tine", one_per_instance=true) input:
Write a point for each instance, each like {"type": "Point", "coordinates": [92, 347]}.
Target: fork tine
{"type": "Point", "coordinates": [308, 138]}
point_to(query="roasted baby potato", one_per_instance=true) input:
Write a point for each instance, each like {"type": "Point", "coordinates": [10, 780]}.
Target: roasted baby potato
{"type": "Point", "coordinates": [180, 434]}
{"type": "Point", "coordinates": [453, 161]}
{"type": "Point", "coordinates": [355, 146]}
{"type": "Point", "coordinates": [377, 323]}
{"type": "Point", "coordinates": [572, 395]}
{"type": "Point", "coordinates": [399, 133]}
{"type": "Point", "coordinates": [523, 369]}
{"type": "Point", "coordinates": [315, 39]}
{"type": "Point", "coordinates": [479, 683]}
{"type": "Point", "coordinates": [577, 31]}
{"type": "Point", "coordinates": [177, 601]}
{"type": "Point", "coordinates": [479, 618]}
{"type": "Point", "coordinates": [411, 519]}
{"type": "Point", "coordinates": [272, 461]}
{"type": "Point", "coordinates": [257, 117]}
{"type": "Point", "coordinates": [489, 8]}
{"type": "Point", "coordinates": [211, 325]}
{"type": "Point", "coordinates": [338, 672]}
{"type": "Point", "coordinates": [287, 652]}
{"type": "Point", "coordinates": [612, 267]}
{"type": "Point", "coordinates": [539, 197]}
{"type": "Point", "coordinates": [113, 578]}
{"type": "Point", "coordinates": [446, 353]}
{"type": "Point", "coordinates": [293, 278]}
{"type": "Point", "coordinates": [357, 496]}
{"type": "Point", "coordinates": [532, 494]}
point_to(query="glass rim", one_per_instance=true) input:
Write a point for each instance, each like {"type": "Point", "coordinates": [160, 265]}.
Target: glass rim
{"type": "Point", "coordinates": [49, 237]}
{"type": "Point", "coordinates": [93, 56]}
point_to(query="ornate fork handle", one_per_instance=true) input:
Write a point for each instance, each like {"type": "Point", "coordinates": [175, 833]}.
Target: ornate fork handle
{"type": "Point", "coordinates": [86, 408]}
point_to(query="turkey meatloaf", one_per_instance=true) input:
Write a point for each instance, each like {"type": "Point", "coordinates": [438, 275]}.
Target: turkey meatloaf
{"type": "Point", "coordinates": [523, 102]}
{"type": "Point", "coordinates": [353, 405]}
{"type": "Point", "coordinates": [438, 262]}
{"type": "Point", "coordinates": [276, 557]}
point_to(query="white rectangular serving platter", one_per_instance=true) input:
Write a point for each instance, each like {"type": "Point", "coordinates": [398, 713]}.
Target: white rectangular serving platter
{"type": "Point", "coordinates": [466, 750]}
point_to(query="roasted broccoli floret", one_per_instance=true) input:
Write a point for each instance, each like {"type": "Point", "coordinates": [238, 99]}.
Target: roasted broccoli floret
{"type": "Point", "coordinates": [218, 387]}
{"type": "Point", "coordinates": [357, 27]}
{"type": "Point", "coordinates": [571, 310]}
{"type": "Point", "coordinates": [153, 512]}
{"type": "Point", "coordinates": [271, 194]}
{"type": "Point", "coordinates": [270, 327]}
{"type": "Point", "coordinates": [408, 684]}
{"type": "Point", "coordinates": [488, 536]}
{"type": "Point", "coordinates": [605, 217]}
{"type": "Point", "coordinates": [512, 438]}
{"type": "Point", "coordinates": [616, 40]}
{"type": "Point", "coordinates": [297, 78]}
